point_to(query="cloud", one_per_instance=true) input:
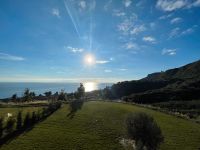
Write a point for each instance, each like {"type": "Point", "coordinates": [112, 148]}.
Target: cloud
{"type": "Point", "coordinates": [149, 39]}
{"type": "Point", "coordinates": [107, 5]}
{"type": "Point", "coordinates": [176, 20]}
{"type": "Point", "coordinates": [127, 3]}
{"type": "Point", "coordinates": [118, 13]}
{"type": "Point", "coordinates": [82, 4]}
{"type": "Point", "coordinates": [102, 61]}
{"type": "Point", "coordinates": [4, 56]}
{"type": "Point", "coordinates": [174, 32]}
{"type": "Point", "coordinates": [138, 29]}
{"type": "Point", "coordinates": [165, 16]}
{"type": "Point", "coordinates": [177, 32]}
{"type": "Point", "coordinates": [74, 50]}
{"type": "Point", "coordinates": [55, 12]}
{"type": "Point", "coordinates": [170, 52]}
{"type": "Point", "coordinates": [171, 5]}
{"type": "Point", "coordinates": [131, 45]}
{"type": "Point", "coordinates": [122, 69]}
{"type": "Point", "coordinates": [127, 24]}
{"type": "Point", "coordinates": [107, 70]}
{"type": "Point", "coordinates": [187, 31]}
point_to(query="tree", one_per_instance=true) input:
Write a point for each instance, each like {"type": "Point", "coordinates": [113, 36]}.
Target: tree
{"type": "Point", "coordinates": [48, 94]}
{"type": "Point", "coordinates": [32, 95]}
{"type": "Point", "coordinates": [144, 130]}
{"type": "Point", "coordinates": [27, 120]}
{"type": "Point", "coordinates": [19, 121]}
{"type": "Point", "coordinates": [27, 96]}
{"type": "Point", "coordinates": [81, 91]}
{"type": "Point", "coordinates": [62, 96]}
{"type": "Point", "coordinates": [14, 98]}
{"type": "Point", "coordinates": [34, 118]}
{"type": "Point", "coordinates": [1, 127]}
{"type": "Point", "coordinates": [10, 124]}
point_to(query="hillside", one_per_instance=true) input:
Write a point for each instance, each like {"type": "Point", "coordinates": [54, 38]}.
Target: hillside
{"type": "Point", "coordinates": [175, 84]}
{"type": "Point", "coordinates": [101, 126]}
{"type": "Point", "coordinates": [189, 71]}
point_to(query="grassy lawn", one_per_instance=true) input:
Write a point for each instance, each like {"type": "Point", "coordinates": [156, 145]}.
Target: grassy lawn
{"type": "Point", "coordinates": [100, 125]}
{"type": "Point", "coordinates": [14, 111]}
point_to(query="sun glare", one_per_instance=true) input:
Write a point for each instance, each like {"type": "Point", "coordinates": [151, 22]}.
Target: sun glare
{"type": "Point", "coordinates": [90, 86]}
{"type": "Point", "coordinates": [89, 59]}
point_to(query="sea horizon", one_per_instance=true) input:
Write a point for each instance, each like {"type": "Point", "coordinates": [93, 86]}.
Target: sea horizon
{"type": "Point", "coordinates": [7, 89]}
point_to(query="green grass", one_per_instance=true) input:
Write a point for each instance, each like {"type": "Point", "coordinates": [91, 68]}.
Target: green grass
{"type": "Point", "coordinates": [100, 125]}
{"type": "Point", "coordinates": [14, 111]}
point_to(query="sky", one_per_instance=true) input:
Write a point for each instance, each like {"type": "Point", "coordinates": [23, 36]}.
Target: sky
{"type": "Point", "coordinates": [49, 40]}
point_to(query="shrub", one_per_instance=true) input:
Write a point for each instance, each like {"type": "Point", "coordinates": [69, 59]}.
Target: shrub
{"type": "Point", "coordinates": [1, 127]}
{"type": "Point", "coordinates": [19, 120]}
{"type": "Point", "coordinates": [27, 120]}
{"type": "Point", "coordinates": [10, 124]}
{"type": "Point", "coordinates": [144, 130]}
{"type": "Point", "coordinates": [34, 118]}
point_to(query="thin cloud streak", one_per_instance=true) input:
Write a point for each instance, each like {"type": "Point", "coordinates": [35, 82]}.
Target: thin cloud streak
{"type": "Point", "coordinates": [4, 56]}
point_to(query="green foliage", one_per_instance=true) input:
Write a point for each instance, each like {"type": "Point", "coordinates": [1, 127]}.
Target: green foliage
{"type": "Point", "coordinates": [1, 126]}
{"type": "Point", "coordinates": [10, 125]}
{"type": "Point", "coordinates": [144, 130]}
{"type": "Point", "coordinates": [62, 96]}
{"type": "Point", "coordinates": [100, 126]}
{"type": "Point", "coordinates": [80, 91]}
{"type": "Point", "coordinates": [27, 120]}
{"type": "Point", "coordinates": [19, 121]}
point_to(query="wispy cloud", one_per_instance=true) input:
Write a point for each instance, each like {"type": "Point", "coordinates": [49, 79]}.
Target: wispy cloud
{"type": "Point", "coordinates": [174, 32]}
{"type": "Point", "coordinates": [170, 52]}
{"type": "Point", "coordinates": [177, 32]}
{"type": "Point", "coordinates": [107, 5]}
{"type": "Point", "coordinates": [165, 16]}
{"type": "Point", "coordinates": [82, 4]}
{"type": "Point", "coordinates": [171, 5]}
{"type": "Point", "coordinates": [55, 12]}
{"type": "Point", "coordinates": [74, 50]}
{"type": "Point", "coordinates": [102, 61]}
{"type": "Point", "coordinates": [122, 69]}
{"type": "Point", "coordinates": [118, 13]}
{"type": "Point", "coordinates": [138, 29]}
{"type": "Point", "coordinates": [4, 56]}
{"type": "Point", "coordinates": [127, 3]}
{"type": "Point", "coordinates": [107, 70]}
{"type": "Point", "coordinates": [131, 45]}
{"type": "Point", "coordinates": [176, 20]}
{"type": "Point", "coordinates": [149, 39]}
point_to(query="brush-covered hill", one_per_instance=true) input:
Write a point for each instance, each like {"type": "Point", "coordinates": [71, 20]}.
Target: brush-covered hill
{"type": "Point", "coordinates": [175, 84]}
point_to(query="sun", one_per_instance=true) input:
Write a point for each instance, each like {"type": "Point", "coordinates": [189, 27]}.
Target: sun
{"type": "Point", "coordinates": [89, 59]}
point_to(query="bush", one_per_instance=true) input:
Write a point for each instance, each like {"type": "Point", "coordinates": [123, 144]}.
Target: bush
{"type": "Point", "coordinates": [27, 121]}
{"type": "Point", "coordinates": [19, 121]}
{"type": "Point", "coordinates": [144, 130]}
{"type": "Point", "coordinates": [34, 118]}
{"type": "Point", "coordinates": [1, 127]}
{"type": "Point", "coordinates": [10, 124]}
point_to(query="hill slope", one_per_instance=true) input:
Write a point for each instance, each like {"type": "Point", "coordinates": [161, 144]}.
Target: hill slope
{"type": "Point", "coordinates": [175, 84]}
{"type": "Point", "coordinates": [100, 126]}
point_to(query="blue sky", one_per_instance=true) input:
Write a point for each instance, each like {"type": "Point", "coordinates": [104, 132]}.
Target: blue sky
{"type": "Point", "coordinates": [48, 40]}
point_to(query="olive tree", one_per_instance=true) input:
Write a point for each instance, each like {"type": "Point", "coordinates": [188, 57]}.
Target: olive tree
{"type": "Point", "coordinates": [144, 130]}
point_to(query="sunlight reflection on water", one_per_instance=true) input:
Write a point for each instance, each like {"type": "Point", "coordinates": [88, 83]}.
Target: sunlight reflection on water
{"type": "Point", "coordinates": [90, 86]}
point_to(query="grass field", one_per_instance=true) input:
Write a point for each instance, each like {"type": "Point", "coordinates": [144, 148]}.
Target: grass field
{"type": "Point", "coordinates": [100, 125]}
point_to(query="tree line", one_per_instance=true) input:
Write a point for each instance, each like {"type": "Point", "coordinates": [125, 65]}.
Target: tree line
{"type": "Point", "coordinates": [18, 125]}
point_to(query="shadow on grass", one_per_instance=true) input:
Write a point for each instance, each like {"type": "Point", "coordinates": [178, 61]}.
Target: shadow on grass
{"type": "Point", "coordinates": [74, 106]}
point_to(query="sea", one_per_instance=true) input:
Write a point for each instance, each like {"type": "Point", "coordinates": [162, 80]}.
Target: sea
{"type": "Point", "coordinates": [7, 89]}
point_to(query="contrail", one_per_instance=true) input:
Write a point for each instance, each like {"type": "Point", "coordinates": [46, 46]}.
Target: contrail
{"type": "Point", "coordinates": [72, 19]}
